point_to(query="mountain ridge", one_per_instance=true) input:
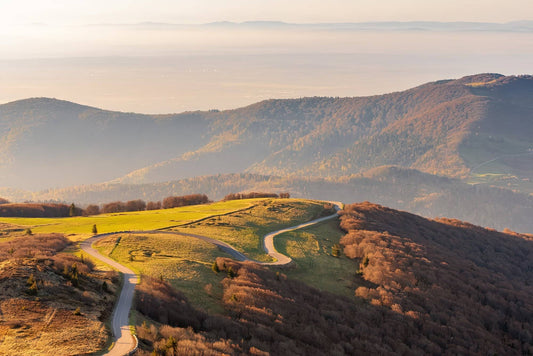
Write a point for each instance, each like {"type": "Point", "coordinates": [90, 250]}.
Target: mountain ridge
{"type": "Point", "coordinates": [445, 127]}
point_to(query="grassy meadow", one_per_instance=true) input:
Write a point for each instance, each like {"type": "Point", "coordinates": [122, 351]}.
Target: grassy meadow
{"type": "Point", "coordinates": [311, 250]}
{"type": "Point", "coordinates": [186, 262]}
{"type": "Point", "coordinates": [182, 261]}
{"type": "Point", "coordinates": [244, 230]}
{"type": "Point", "coordinates": [80, 227]}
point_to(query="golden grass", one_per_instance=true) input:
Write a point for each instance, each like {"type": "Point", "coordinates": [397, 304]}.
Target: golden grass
{"type": "Point", "coordinates": [79, 227]}
{"type": "Point", "coordinates": [244, 230]}
{"type": "Point", "coordinates": [184, 262]}
{"type": "Point", "coordinates": [311, 251]}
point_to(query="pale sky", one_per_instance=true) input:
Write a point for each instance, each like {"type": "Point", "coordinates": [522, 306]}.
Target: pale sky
{"type": "Point", "coordinates": [161, 69]}
{"type": "Point", "coordinates": [78, 12]}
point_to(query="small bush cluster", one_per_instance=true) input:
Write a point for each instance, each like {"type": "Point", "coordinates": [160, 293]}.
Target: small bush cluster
{"type": "Point", "coordinates": [255, 195]}
{"type": "Point", "coordinates": [192, 199]}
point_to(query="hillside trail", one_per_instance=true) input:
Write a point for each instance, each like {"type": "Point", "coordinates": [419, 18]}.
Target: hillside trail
{"type": "Point", "coordinates": [125, 342]}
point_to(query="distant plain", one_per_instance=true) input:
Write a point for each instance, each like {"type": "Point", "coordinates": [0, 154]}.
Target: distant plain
{"type": "Point", "coordinates": [151, 68]}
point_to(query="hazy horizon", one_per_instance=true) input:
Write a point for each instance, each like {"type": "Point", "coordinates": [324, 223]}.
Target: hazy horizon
{"type": "Point", "coordinates": [136, 57]}
{"type": "Point", "coordinates": [167, 69]}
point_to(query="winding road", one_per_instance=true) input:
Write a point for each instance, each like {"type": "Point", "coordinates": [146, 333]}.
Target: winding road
{"type": "Point", "coordinates": [125, 342]}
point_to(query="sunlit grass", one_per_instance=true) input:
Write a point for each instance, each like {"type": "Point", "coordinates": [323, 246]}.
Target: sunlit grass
{"type": "Point", "coordinates": [244, 230]}
{"type": "Point", "coordinates": [80, 227]}
{"type": "Point", "coordinates": [314, 264]}
{"type": "Point", "coordinates": [184, 262]}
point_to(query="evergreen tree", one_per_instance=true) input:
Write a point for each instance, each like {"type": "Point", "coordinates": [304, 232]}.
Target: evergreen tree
{"type": "Point", "coordinates": [72, 210]}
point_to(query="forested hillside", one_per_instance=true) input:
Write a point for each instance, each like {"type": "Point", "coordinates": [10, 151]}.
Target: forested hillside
{"type": "Point", "coordinates": [421, 287]}
{"type": "Point", "coordinates": [477, 127]}
{"type": "Point", "coordinates": [69, 144]}
{"type": "Point", "coordinates": [400, 188]}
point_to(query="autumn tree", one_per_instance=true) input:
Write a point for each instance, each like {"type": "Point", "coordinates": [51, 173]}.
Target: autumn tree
{"type": "Point", "coordinates": [92, 210]}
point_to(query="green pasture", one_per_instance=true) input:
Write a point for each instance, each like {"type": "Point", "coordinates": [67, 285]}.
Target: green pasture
{"type": "Point", "coordinates": [184, 262]}
{"type": "Point", "coordinates": [314, 264]}
{"type": "Point", "coordinates": [244, 230]}
{"type": "Point", "coordinates": [80, 227]}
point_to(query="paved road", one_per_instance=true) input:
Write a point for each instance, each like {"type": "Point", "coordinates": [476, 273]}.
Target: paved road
{"type": "Point", "coordinates": [268, 240]}
{"type": "Point", "coordinates": [125, 341]}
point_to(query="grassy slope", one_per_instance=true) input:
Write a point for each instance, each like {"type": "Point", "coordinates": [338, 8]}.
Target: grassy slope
{"type": "Point", "coordinates": [80, 227]}
{"type": "Point", "coordinates": [245, 230]}
{"type": "Point", "coordinates": [311, 249]}
{"type": "Point", "coordinates": [186, 262]}
{"type": "Point", "coordinates": [183, 261]}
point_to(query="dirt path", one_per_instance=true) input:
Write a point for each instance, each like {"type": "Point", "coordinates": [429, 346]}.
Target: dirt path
{"type": "Point", "coordinates": [125, 342]}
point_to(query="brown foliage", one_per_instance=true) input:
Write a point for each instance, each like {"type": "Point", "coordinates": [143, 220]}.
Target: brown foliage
{"type": "Point", "coordinates": [92, 210]}
{"type": "Point", "coordinates": [37, 246]}
{"type": "Point", "coordinates": [474, 281]}
{"type": "Point", "coordinates": [253, 195]}
{"type": "Point", "coordinates": [135, 205]}
{"type": "Point", "coordinates": [153, 205]}
{"type": "Point", "coordinates": [114, 207]}
{"type": "Point", "coordinates": [34, 210]}
{"type": "Point", "coordinates": [192, 199]}
{"type": "Point", "coordinates": [157, 300]}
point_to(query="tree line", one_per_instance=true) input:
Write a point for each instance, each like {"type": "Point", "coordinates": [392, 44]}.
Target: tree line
{"type": "Point", "coordinates": [30, 210]}
{"type": "Point", "coordinates": [140, 205]}
{"type": "Point", "coordinates": [255, 195]}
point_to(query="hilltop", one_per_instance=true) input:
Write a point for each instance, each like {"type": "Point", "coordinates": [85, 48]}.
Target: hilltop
{"type": "Point", "coordinates": [478, 127]}
{"type": "Point", "coordinates": [418, 286]}
{"type": "Point", "coordinates": [388, 282]}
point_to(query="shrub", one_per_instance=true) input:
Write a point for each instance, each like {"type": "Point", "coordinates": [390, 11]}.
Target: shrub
{"type": "Point", "coordinates": [92, 210]}
{"type": "Point", "coordinates": [153, 205]}
{"type": "Point", "coordinates": [177, 201]}
{"type": "Point", "coordinates": [250, 195]}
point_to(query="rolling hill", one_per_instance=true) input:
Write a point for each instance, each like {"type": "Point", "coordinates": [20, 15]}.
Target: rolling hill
{"type": "Point", "coordinates": [417, 286]}
{"type": "Point", "coordinates": [395, 283]}
{"type": "Point", "coordinates": [478, 127]}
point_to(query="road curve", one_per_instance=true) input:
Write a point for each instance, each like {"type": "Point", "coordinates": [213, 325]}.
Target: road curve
{"type": "Point", "coordinates": [268, 240]}
{"type": "Point", "coordinates": [125, 341]}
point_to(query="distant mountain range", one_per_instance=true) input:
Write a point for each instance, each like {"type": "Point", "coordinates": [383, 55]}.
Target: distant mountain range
{"type": "Point", "coordinates": [515, 26]}
{"type": "Point", "coordinates": [478, 129]}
